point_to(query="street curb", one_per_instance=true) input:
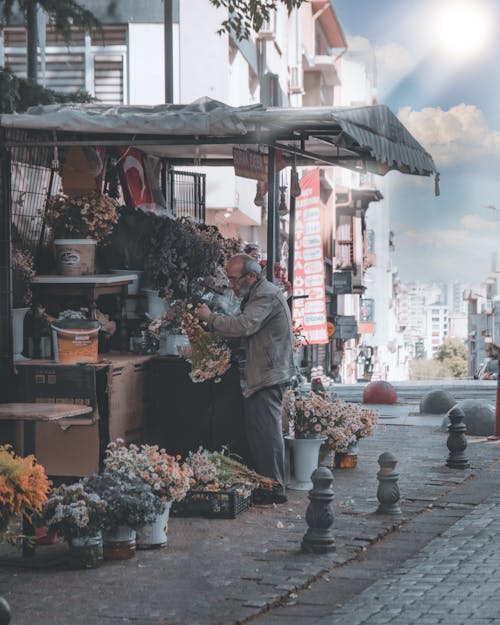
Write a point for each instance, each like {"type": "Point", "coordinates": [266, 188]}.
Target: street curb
{"type": "Point", "coordinates": [320, 592]}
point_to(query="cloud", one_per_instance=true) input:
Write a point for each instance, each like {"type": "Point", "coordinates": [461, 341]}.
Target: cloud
{"type": "Point", "coordinates": [423, 254]}
{"type": "Point", "coordinates": [393, 61]}
{"type": "Point", "coordinates": [459, 135]}
{"type": "Point", "coordinates": [476, 222]}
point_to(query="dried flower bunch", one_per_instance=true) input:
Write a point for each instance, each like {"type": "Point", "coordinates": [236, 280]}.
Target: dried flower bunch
{"type": "Point", "coordinates": [214, 471]}
{"type": "Point", "coordinates": [73, 511]}
{"type": "Point", "coordinates": [24, 487]}
{"type": "Point", "coordinates": [166, 476]}
{"type": "Point", "coordinates": [171, 318]}
{"type": "Point", "coordinates": [311, 415]}
{"type": "Point", "coordinates": [209, 355]}
{"type": "Point", "coordinates": [299, 340]}
{"type": "Point", "coordinates": [182, 251]}
{"type": "Point", "coordinates": [129, 500]}
{"type": "Point", "coordinates": [308, 413]}
{"type": "Point", "coordinates": [368, 420]}
{"type": "Point", "coordinates": [23, 272]}
{"type": "Point", "coordinates": [88, 216]}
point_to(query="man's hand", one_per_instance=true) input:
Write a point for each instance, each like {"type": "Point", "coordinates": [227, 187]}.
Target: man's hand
{"type": "Point", "coordinates": [203, 312]}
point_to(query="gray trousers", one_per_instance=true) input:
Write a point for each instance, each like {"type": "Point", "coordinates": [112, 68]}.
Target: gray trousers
{"type": "Point", "coordinates": [263, 427]}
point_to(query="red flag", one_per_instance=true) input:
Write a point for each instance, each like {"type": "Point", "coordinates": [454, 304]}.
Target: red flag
{"type": "Point", "coordinates": [139, 183]}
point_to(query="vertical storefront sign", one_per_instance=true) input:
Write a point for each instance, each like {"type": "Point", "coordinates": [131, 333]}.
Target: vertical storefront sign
{"type": "Point", "coordinates": [309, 307]}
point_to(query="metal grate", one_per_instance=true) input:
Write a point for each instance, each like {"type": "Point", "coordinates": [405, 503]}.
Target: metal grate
{"type": "Point", "coordinates": [186, 194]}
{"type": "Point", "coordinates": [33, 178]}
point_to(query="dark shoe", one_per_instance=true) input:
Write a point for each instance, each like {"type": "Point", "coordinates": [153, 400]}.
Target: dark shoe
{"type": "Point", "coordinates": [279, 498]}
{"type": "Point", "coordinates": [263, 497]}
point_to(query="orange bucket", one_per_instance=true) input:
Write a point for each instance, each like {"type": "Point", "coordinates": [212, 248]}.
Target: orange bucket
{"type": "Point", "coordinates": [75, 340]}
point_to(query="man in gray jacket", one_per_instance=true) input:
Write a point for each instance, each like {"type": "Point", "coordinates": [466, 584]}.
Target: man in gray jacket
{"type": "Point", "coordinates": [265, 327]}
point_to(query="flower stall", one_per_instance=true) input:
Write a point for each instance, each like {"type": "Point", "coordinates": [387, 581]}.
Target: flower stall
{"type": "Point", "coordinates": [102, 176]}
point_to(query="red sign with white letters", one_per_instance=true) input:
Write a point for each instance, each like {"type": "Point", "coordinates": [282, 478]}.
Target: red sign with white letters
{"type": "Point", "coordinates": [309, 268]}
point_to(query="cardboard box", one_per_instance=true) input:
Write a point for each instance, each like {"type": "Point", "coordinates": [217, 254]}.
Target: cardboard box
{"type": "Point", "coordinates": [127, 398]}
{"type": "Point", "coordinates": [115, 389]}
{"type": "Point", "coordinates": [71, 447]}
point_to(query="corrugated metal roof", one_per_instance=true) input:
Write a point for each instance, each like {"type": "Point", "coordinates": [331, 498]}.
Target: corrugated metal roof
{"type": "Point", "coordinates": [205, 132]}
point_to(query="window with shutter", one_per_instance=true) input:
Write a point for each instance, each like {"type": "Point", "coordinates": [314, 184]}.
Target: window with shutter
{"type": "Point", "coordinates": [108, 78]}
{"type": "Point", "coordinates": [94, 63]}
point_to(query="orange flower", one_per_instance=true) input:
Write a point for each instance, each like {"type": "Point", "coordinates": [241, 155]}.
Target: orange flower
{"type": "Point", "coordinates": [23, 486]}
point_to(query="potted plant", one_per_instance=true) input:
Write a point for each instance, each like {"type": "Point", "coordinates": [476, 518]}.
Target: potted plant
{"type": "Point", "coordinates": [78, 223]}
{"type": "Point", "coordinates": [182, 251]}
{"type": "Point", "coordinates": [166, 477]}
{"type": "Point", "coordinates": [351, 423]}
{"type": "Point", "coordinates": [77, 514]}
{"type": "Point", "coordinates": [23, 272]}
{"type": "Point", "coordinates": [309, 415]}
{"type": "Point", "coordinates": [23, 491]}
{"type": "Point", "coordinates": [130, 504]}
{"type": "Point", "coordinates": [127, 247]}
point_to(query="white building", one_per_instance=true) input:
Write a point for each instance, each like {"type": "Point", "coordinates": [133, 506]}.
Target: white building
{"type": "Point", "coordinates": [436, 328]}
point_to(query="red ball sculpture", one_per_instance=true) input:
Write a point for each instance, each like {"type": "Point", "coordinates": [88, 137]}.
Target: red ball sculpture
{"type": "Point", "coordinates": [380, 392]}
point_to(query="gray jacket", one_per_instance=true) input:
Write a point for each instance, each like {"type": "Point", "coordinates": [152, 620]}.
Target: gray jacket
{"type": "Point", "coordinates": [265, 326]}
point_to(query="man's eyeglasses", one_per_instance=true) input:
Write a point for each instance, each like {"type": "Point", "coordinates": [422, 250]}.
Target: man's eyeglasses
{"type": "Point", "coordinates": [235, 279]}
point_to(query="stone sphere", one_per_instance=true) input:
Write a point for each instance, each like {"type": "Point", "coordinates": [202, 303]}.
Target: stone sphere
{"type": "Point", "coordinates": [437, 402]}
{"type": "Point", "coordinates": [479, 417]}
{"type": "Point", "coordinates": [380, 392]}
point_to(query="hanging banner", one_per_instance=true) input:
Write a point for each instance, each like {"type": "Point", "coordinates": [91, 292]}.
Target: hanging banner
{"type": "Point", "coordinates": [309, 312]}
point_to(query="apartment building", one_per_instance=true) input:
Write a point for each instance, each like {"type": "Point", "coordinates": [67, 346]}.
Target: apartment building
{"type": "Point", "coordinates": [436, 327]}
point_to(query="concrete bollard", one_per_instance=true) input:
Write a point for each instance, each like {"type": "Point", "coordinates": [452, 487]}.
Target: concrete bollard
{"type": "Point", "coordinates": [457, 441]}
{"type": "Point", "coordinates": [4, 612]}
{"type": "Point", "coordinates": [319, 537]}
{"type": "Point", "coordinates": [388, 489]}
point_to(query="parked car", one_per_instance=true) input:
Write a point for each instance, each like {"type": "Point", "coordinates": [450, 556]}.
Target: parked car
{"type": "Point", "coordinates": [488, 370]}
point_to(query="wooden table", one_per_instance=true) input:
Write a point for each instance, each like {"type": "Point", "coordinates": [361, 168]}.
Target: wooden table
{"type": "Point", "coordinates": [26, 415]}
{"type": "Point", "coordinates": [46, 288]}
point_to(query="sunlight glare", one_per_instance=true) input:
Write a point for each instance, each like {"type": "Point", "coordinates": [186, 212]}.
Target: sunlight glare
{"type": "Point", "coordinates": [462, 28]}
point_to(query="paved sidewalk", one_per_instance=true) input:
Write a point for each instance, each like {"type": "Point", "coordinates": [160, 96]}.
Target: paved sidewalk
{"type": "Point", "coordinates": [454, 580]}
{"type": "Point", "coordinates": [216, 572]}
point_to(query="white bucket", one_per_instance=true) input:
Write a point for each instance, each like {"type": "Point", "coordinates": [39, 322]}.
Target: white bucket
{"type": "Point", "coordinates": [75, 257]}
{"type": "Point", "coordinates": [156, 305]}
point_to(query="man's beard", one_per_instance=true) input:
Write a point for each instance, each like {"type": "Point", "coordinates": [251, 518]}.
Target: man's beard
{"type": "Point", "coordinates": [244, 290]}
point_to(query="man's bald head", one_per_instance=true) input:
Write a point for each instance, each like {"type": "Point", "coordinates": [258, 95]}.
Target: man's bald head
{"type": "Point", "coordinates": [243, 271]}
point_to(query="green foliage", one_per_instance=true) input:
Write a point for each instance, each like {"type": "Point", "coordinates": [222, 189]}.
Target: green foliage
{"type": "Point", "coordinates": [453, 354]}
{"type": "Point", "coordinates": [428, 370]}
{"type": "Point", "coordinates": [63, 13]}
{"type": "Point", "coordinates": [246, 16]}
{"type": "Point", "coordinates": [450, 362]}
{"type": "Point", "coordinates": [18, 94]}
{"type": "Point", "coordinates": [9, 91]}
{"type": "Point", "coordinates": [451, 348]}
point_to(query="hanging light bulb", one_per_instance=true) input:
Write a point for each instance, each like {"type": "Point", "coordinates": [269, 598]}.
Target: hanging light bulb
{"type": "Point", "coordinates": [295, 189]}
{"type": "Point", "coordinates": [259, 198]}
{"type": "Point", "coordinates": [283, 208]}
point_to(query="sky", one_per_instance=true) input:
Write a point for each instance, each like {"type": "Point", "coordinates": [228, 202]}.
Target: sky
{"type": "Point", "coordinates": [438, 69]}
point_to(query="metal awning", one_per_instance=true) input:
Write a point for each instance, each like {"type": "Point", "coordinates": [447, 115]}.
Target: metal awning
{"type": "Point", "coordinates": [367, 138]}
